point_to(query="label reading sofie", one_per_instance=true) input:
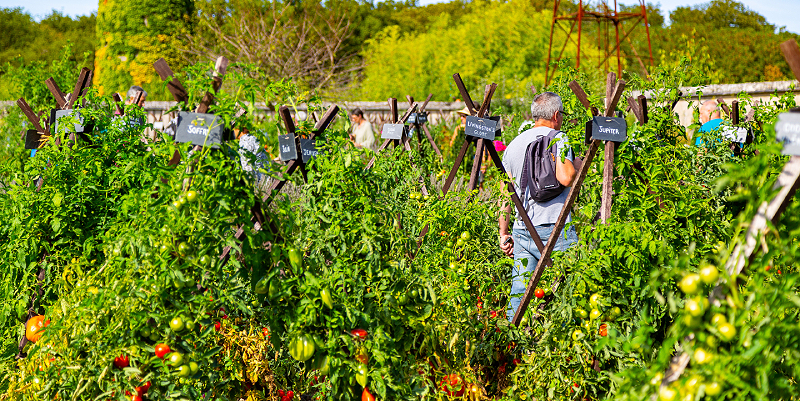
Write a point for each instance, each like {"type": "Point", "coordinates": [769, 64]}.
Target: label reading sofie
{"type": "Point", "coordinates": [77, 128]}
{"type": "Point", "coordinates": [612, 129]}
{"type": "Point", "coordinates": [485, 128]}
{"type": "Point", "coordinates": [194, 128]}
{"type": "Point", "coordinates": [393, 131]}
{"type": "Point", "coordinates": [787, 130]}
{"type": "Point", "coordinates": [287, 147]}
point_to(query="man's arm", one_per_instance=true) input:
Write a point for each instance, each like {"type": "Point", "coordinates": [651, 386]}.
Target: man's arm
{"type": "Point", "coordinates": [565, 172]}
{"type": "Point", "coordinates": [506, 211]}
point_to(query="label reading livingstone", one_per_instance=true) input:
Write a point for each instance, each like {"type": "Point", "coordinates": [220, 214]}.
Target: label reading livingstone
{"type": "Point", "coordinates": [194, 128]}
{"type": "Point", "coordinates": [481, 127]}
{"type": "Point", "coordinates": [787, 130]}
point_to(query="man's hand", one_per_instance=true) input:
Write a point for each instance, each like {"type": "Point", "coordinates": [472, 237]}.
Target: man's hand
{"type": "Point", "coordinates": [507, 245]}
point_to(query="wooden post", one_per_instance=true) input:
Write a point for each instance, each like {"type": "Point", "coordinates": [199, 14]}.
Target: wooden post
{"type": "Point", "coordinates": [614, 90]}
{"type": "Point", "coordinates": [568, 204]}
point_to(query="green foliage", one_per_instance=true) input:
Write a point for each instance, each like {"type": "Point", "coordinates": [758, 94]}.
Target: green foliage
{"type": "Point", "coordinates": [27, 42]}
{"type": "Point", "coordinates": [132, 36]}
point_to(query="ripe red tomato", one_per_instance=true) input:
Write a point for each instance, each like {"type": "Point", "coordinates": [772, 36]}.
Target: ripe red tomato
{"type": "Point", "coordinates": [539, 293]}
{"type": "Point", "coordinates": [217, 326]}
{"type": "Point", "coordinates": [360, 333]}
{"type": "Point", "coordinates": [603, 330]}
{"type": "Point", "coordinates": [142, 390]}
{"type": "Point", "coordinates": [367, 396]}
{"type": "Point", "coordinates": [493, 314]}
{"type": "Point", "coordinates": [121, 361]}
{"type": "Point", "coordinates": [281, 393]}
{"type": "Point", "coordinates": [452, 385]}
{"type": "Point", "coordinates": [290, 394]}
{"type": "Point", "coordinates": [162, 350]}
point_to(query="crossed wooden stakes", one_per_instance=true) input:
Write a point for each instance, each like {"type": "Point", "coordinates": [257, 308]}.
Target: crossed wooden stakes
{"type": "Point", "coordinates": [768, 214]}
{"type": "Point", "coordinates": [394, 132]}
{"type": "Point", "coordinates": [34, 139]}
{"type": "Point", "coordinates": [418, 122]}
{"type": "Point", "coordinates": [258, 218]}
{"type": "Point", "coordinates": [614, 91]}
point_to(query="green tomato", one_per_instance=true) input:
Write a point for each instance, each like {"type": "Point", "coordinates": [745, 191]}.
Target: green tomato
{"type": "Point", "coordinates": [718, 319]}
{"type": "Point", "coordinates": [194, 367]}
{"type": "Point", "coordinates": [667, 394]}
{"type": "Point", "coordinates": [163, 248]}
{"type": "Point", "coordinates": [184, 371]}
{"type": "Point", "coordinates": [702, 356]}
{"type": "Point", "coordinates": [184, 248]}
{"type": "Point", "coordinates": [327, 300]}
{"type": "Point", "coordinates": [726, 331]}
{"type": "Point", "coordinates": [302, 348]}
{"type": "Point", "coordinates": [204, 260]}
{"type": "Point", "coordinates": [176, 324]}
{"type": "Point", "coordinates": [322, 364]}
{"type": "Point", "coordinates": [295, 258]}
{"type": "Point", "coordinates": [176, 359]}
{"type": "Point", "coordinates": [189, 324]}
{"type": "Point", "coordinates": [402, 299]}
{"type": "Point", "coordinates": [176, 205]}
{"type": "Point", "coordinates": [191, 196]}
{"type": "Point", "coordinates": [146, 331]}
{"type": "Point", "coordinates": [577, 335]}
{"type": "Point", "coordinates": [694, 308]}
{"type": "Point", "coordinates": [459, 243]}
{"type": "Point", "coordinates": [690, 284]}
{"type": "Point", "coordinates": [465, 236]}
{"type": "Point", "coordinates": [713, 389]}
{"type": "Point", "coordinates": [582, 313]}
{"type": "Point", "coordinates": [361, 374]}
{"type": "Point", "coordinates": [616, 312]}
{"type": "Point", "coordinates": [262, 286]}
{"type": "Point", "coordinates": [594, 314]}
{"type": "Point", "coordinates": [182, 200]}
{"type": "Point", "coordinates": [274, 288]}
{"type": "Point", "coordinates": [709, 274]}
{"type": "Point", "coordinates": [595, 300]}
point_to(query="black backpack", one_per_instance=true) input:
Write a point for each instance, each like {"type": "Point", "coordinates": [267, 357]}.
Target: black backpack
{"type": "Point", "coordinates": [539, 171]}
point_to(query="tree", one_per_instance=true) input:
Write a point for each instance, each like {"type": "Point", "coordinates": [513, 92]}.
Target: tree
{"type": "Point", "coordinates": [285, 41]}
{"type": "Point", "coordinates": [133, 35]}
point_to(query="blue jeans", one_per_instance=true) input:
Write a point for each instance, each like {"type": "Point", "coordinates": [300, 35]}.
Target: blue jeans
{"type": "Point", "coordinates": [525, 248]}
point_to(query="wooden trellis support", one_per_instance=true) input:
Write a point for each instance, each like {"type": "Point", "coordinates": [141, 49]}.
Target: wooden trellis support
{"type": "Point", "coordinates": [545, 261]}
{"type": "Point", "coordinates": [486, 145]}
{"type": "Point", "coordinates": [33, 140]}
{"type": "Point", "coordinates": [395, 120]}
{"type": "Point", "coordinates": [258, 217]}
{"type": "Point", "coordinates": [768, 213]}
{"type": "Point", "coordinates": [422, 125]}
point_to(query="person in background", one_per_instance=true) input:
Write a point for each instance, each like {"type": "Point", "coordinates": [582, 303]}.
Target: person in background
{"type": "Point", "coordinates": [548, 112]}
{"type": "Point", "coordinates": [461, 126]}
{"type": "Point", "coordinates": [362, 135]}
{"type": "Point", "coordinates": [132, 94]}
{"type": "Point", "coordinates": [710, 119]}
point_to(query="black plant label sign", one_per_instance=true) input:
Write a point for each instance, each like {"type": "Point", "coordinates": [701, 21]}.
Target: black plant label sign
{"type": "Point", "coordinates": [199, 129]}
{"type": "Point", "coordinates": [309, 149]}
{"type": "Point", "coordinates": [288, 147]}
{"type": "Point", "coordinates": [485, 128]}
{"type": "Point", "coordinates": [613, 129]}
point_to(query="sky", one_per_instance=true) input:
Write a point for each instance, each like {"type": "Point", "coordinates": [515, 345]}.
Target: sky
{"type": "Point", "coordinates": [778, 12]}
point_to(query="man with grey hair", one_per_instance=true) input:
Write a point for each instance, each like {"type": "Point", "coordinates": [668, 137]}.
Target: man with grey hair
{"type": "Point", "coordinates": [548, 114]}
{"type": "Point", "coordinates": [132, 95]}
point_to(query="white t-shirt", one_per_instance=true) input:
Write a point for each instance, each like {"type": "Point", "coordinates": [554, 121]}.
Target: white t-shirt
{"type": "Point", "coordinates": [363, 135]}
{"type": "Point", "coordinates": [514, 161]}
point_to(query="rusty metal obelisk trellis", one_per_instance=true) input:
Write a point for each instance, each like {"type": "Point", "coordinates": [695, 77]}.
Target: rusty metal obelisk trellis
{"type": "Point", "coordinates": [768, 214]}
{"type": "Point", "coordinates": [614, 91]}
{"type": "Point", "coordinates": [294, 163]}
{"type": "Point", "coordinates": [34, 139]}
